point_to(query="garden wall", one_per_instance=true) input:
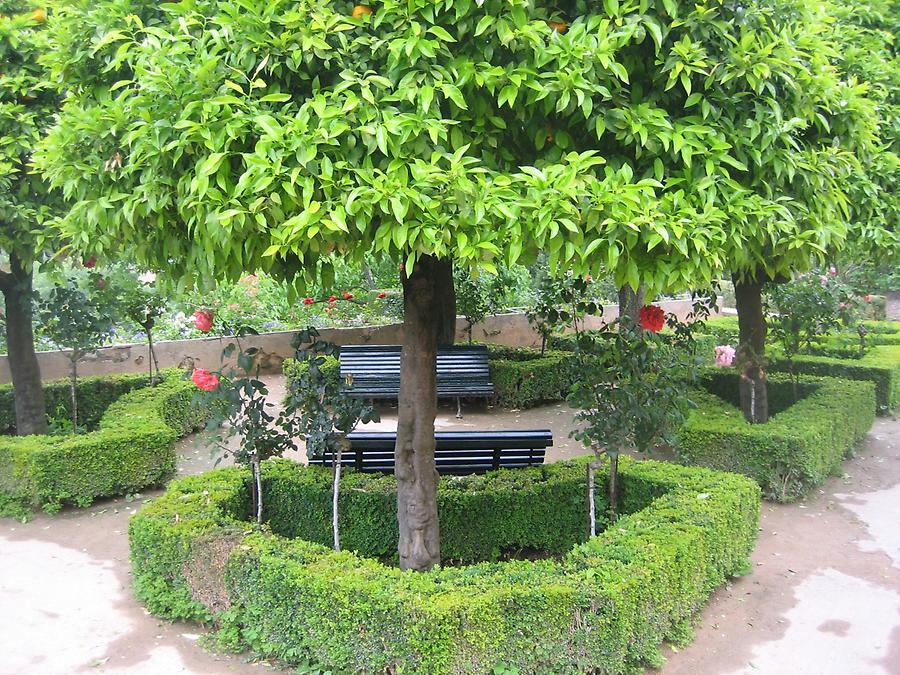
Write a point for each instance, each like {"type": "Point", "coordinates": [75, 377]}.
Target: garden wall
{"type": "Point", "coordinates": [509, 329]}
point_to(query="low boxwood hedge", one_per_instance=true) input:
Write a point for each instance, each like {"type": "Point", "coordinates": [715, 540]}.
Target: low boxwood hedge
{"type": "Point", "coordinates": [133, 447]}
{"type": "Point", "coordinates": [605, 606]}
{"type": "Point", "coordinates": [802, 444]}
{"type": "Point", "coordinates": [880, 365]}
{"type": "Point", "coordinates": [95, 394]}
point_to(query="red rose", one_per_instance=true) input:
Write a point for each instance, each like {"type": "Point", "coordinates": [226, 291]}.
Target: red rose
{"type": "Point", "coordinates": [382, 295]}
{"type": "Point", "coordinates": [203, 320]}
{"type": "Point", "coordinates": [332, 298]}
{"type": "Point", "coordinates": [308, 301]}
{"type": "Point", "coordinates": [348, 296]}
{"type": "Point", "coordinates": [205, 380]}
{"type": "Point", "coordinates": [91, 262]}
{"type": "Point", "coordinates": [652, 318]}
{"type": "Point", "coordinates": [868, 298]}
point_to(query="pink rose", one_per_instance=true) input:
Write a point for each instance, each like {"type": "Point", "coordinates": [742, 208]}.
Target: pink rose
{"type": "Point", "coordinates": [823, 280]}
{"type": "Point", "coordinates": [724, 356]}
{"type": "Point", "coordinates": [832, 271]}
{"type": "Point", "coordinates": [203, 320]}
{"type": "Point", "coordinates": [868, 298]}
{"type": "Point", "coordinates": [204, 379]}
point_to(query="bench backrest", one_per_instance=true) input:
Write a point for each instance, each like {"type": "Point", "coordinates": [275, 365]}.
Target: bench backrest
{"type": "Point", "coordinates": [462, 370]}
{"type": "Point", "coordinates": [456, 452]}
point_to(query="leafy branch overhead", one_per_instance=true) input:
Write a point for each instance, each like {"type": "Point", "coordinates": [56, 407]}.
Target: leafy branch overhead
{"type": "Point", "coordinates": [660, 140]}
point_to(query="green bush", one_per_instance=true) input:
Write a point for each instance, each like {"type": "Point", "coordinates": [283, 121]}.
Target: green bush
{"type": "Point", "coordinates": [880, 365]}
{"type": "Point", "coordinates": [95, 394]}
{"type": "Point", "coordinates": [605, 606]}
{"type": "Point", "coordinates": [293, 369]}
{"type": "Point", "coordinates": [528, 382]}
{"type": "Point", "coordinates": [723, 328]}
{"type": "Point", "coordinates": [134, 447]}
{"type": "Point", "coordinates": [800, 446]}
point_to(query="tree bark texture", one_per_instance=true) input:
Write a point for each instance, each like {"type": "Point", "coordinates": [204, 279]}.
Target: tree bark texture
{"type": "Point", "coordinates": [752, 349]}
{"type": "Point", "coordinates": [445, 296]}
{"type": "Point", "coordinates": [630, 303]}
{"type": "Point", "coordinates": [417, 477]}
{"type": "Point", "coordinates": [31, 414]}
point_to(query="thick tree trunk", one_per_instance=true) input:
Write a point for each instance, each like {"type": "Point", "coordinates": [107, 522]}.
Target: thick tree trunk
{"type": "Point", "coordinates": [417, 477]}
{"type": "Point", "coordinates": [445, 296]}
{"type": "Point", "coordinates": [752, 349]}
{"type": "Point", "coordinates": [630, 303]}
{"type": "Point", "coordinates": [31, 415]}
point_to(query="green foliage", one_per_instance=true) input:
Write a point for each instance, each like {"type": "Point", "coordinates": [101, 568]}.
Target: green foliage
{"type": "Point", "coordinates": [880, 365]}
{"type": "Point", "coordinates": [95, 395]}
{"type": "Point", "coordinates": [294, 369]}
{"type": "Point", "coordinates": [561, 303]}
{"type": "Point", "coordinates": [799, 312]}
{"type": "Point", "coordinates": [286, 132]}
{"type": "Point", "coordinates": [525, 379]}
{"type": "Point", "coordinates": [797, 449]}
{"type": "Point", "coordinates": [605, 605]}
{"type": "Point", "coordinates": [75, 319]}
{"type": "Point", "coordinates": [133, 448]}
{"type": "Point", "coordinates": [28, 102]}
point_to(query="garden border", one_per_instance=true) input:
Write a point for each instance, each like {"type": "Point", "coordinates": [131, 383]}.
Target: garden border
{"type": "Point", "coordinates": [133, 448]}
{"type": "Point", "coordinates": [796, 450]}
{"type": "Point", "coordinates": [606, 605]}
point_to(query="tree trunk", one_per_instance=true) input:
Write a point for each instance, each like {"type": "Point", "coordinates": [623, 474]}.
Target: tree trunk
{"type": "Point", "coordinates": [752, 349]}
{"type": "Point", "coordinates": [445, 297]}
{"type": "Point", "coordinates": [630, 303]}
{"type": "Point", "coordinates": [613, 486]}
{"type": "Point", "coordinates": [73, 389]}
{"type": "Point", "coordinates": [417, 477]}
{"type": "Point", "coordinates": [31, 414]}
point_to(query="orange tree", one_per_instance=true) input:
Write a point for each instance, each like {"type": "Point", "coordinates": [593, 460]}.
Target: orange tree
{"type": "Point", "coordinates": [27, 105]}
{"type": "Point", "coordinates": [213, 137]}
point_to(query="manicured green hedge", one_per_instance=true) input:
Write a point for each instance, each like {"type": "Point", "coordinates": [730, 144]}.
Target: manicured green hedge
{"type": "Point", "coordinates": [95, 394]}
{"type": "Point", "coordinates": [800, 446]}
{"type": "Point", "coordinates": [880, 365]}
{"type": "Point", "coordinates": [603, 607]}
{"type": "Point", "coordinates": [133, 448]}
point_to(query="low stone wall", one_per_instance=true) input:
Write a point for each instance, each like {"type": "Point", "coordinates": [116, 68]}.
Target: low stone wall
{"type": "Point", "coordinates": [509, 329]}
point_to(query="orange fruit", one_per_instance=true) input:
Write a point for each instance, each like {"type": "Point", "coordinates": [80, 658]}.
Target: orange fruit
{"type": "Point", "coordinates": [558, 26]}
{"type": "Point", "coordinates": [39, 15]}
{"type": "Point", "coordinates": [359, 11]}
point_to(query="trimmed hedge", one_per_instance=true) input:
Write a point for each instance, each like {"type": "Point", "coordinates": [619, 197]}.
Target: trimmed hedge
{"type": "Point", "coordinates": [802, 444]}
{"type": "Point", "coordinates": [95, 394]}
{"type": "Point", "coordinates": [880, 365]}
{"type": "Point", "coordinates": [605, 606]}
{"type": "Point", "coordinates": [134, 447]}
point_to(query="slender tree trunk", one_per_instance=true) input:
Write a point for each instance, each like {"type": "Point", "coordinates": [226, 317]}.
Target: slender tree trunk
{"type": "Point", "coordinates": [752, 349]}
{"type": "Point", "coordinates": [613, 486]}
{"type": "Point", "coordinates": [592, 497]}
{"type": "Point", "coordinates": [31, 414]}
{"type": "Point", "coordinates": [335, 492]}
{"type": "Point", "coordinates": [73, 389]}
{"type": "Point", "coordinates": [417, 477]}
{"type": "Point", "coordinates": [445, 297]}
{"type": "Point", "coordinates": [257, 489]}
{"type": "Point", "coordinates": [630, 303]}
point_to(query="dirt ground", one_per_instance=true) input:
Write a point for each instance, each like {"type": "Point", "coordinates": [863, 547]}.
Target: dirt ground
{"type": "Point", "coordinates": [823, 597]}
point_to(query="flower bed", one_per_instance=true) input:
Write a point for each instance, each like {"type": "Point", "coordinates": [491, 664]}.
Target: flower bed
{"type": "Point", "coordinates": [133, 447]}
{"type": "Point", "coordinates": [801, 445]}
{"type": "Point", "coordinates": [606, 604]}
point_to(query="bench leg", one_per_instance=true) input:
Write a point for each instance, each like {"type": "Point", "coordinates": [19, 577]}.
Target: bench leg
{"type": "Point", "coordinates": [458, 408]}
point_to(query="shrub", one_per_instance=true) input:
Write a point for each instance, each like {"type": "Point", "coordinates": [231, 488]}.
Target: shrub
{"type": "Point", "coordinates": [800, 446]}
{"type": "Point", "coordinates": [880, 365]}
{"type": "Point", "coordinates": [133, 448]}
{"type": "Point", "coordinates": [522, 382]}
{"type": "Point", "coordinates": [95, 394]}
{"type": "Point", "coordinates": [293, 369]}
{"type": "Point", "coordinates": [724, 328]}
{"type": "Point", "coordinates": [605, 606]}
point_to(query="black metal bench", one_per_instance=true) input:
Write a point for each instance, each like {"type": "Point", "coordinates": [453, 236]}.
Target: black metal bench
{"type": "Point", "coordinates": [462, 371]}
{"type": "Point", "coordinates": [456, 452]}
